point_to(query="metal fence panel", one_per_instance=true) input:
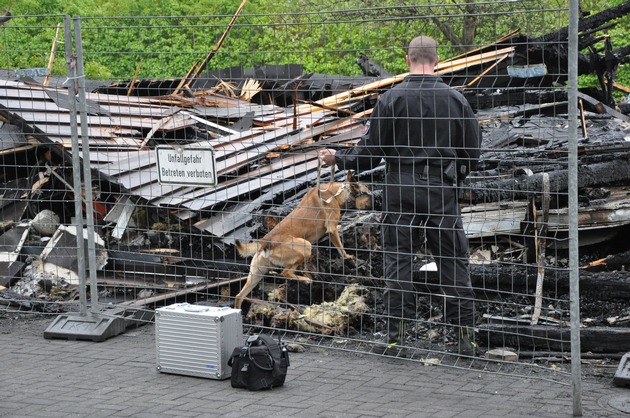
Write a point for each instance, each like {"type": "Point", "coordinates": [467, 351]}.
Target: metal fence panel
{"type": "Point", "coordinates": [206, 130]}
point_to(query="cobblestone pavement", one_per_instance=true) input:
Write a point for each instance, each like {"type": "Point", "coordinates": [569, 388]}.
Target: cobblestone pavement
{"type": "Point", "coordinates": [117, 378]}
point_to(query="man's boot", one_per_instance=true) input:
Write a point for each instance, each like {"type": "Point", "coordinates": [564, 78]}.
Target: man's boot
{"type": "Point", "coordinates": [466, 340]}
{"type": "Point", "coordinates": [395, 338]}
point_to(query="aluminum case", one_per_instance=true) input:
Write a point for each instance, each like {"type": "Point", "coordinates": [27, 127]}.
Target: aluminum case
{"type": "Point", "coordinates": [197, 340]}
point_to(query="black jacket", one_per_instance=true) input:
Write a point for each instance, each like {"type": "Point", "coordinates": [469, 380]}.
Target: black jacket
{"type": "Point", "coordinates": [421, 121]}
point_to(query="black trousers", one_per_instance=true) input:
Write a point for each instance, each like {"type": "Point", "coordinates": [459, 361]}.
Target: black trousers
{"type": "Point", "coordinates": [417, 206]}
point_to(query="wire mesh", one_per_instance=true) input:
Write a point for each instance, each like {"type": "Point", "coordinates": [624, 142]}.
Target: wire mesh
{"type": "Point", "coordinates": [256, 97]}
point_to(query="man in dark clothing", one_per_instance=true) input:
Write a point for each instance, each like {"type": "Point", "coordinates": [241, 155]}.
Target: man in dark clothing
{"type": "Point", "coordinates": [430, 139]}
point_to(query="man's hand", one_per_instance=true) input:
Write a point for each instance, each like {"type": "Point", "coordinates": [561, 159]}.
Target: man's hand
{"type": "Point", "coordinates": [327, 156]}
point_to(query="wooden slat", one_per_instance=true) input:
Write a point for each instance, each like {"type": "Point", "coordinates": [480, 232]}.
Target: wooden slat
{"type": "Point", "coordinates": [449, 66]}
{"type": "Point", "coordinates": [504, 218]}
{"type": "Point", "coordinates": [493, 219]}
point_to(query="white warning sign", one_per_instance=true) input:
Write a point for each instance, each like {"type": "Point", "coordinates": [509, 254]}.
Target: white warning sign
{"type": "Point", "coordinates": [186, 166]}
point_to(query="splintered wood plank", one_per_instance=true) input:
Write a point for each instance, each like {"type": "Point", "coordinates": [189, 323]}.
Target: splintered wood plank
{"type": "Point", "coordinates": [493, 219]}
{"type": "Point", "coordinates": [483, 57]}
{"type": "Point", "coordinates": [447, 66]}
{"type": "Point", "coordinates": [504, 218]}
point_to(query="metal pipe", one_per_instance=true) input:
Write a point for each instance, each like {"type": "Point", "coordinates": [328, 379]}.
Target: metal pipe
{"type": "Point", "coordinates": [76, 165]}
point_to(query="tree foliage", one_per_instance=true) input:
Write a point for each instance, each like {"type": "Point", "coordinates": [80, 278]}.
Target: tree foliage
{"type": "Point", "coordinates": [164, 38]}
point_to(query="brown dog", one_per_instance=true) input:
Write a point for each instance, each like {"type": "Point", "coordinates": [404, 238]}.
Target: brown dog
{"type": "Point", "coordinates": [288, 244]}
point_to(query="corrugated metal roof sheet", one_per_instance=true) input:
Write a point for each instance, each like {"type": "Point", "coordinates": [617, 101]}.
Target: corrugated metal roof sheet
{"type": "Point", "coordinates": [123, 129]}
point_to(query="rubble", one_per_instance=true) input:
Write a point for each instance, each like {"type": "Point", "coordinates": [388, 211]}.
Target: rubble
{"type": "Point", "coordinates": [265, 126]}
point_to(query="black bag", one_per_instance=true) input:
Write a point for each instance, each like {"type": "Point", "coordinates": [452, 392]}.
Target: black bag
{"type": "Point", "coordinates": [260, 364]}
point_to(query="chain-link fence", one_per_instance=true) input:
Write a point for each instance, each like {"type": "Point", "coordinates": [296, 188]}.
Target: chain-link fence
{"type": "Point", "coordinates": [169, 140]}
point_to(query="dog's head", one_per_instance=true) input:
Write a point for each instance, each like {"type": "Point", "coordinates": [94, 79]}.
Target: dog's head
{"type": "Point", "coordinates": [360, 195]}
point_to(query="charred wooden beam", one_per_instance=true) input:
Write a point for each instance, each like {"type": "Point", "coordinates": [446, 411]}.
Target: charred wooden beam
{"type": "Point", "coordinates": [370, 68]}
{"type": "Point", "coordinates": [604, 286]}
{"type": "Point", "coordinates": [492, 280]}
{"type": "Point", "coordinates": [549, 338]}
{"type": "Point", "coordinates": [623, 54]}
{"type": "Point", "coordinates": [586, 23]}
{"type": "Point", "coordinates": [7, 16]}
{"type": "Point", "coordinates": [612, 262]}
{"type": "Point", "coordinates": [521, 187]}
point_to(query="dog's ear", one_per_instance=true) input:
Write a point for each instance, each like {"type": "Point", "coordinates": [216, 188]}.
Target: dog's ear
{"type": "Point", "coordinates": [353, 183]}
{"type": "Point", "coordinates": [350, 179]}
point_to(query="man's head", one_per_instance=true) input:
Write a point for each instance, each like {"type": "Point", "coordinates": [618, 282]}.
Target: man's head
{"type": "Point", "coordinates": [422, 55]}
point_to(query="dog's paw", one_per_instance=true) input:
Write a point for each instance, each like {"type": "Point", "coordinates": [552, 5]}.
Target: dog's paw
{"type": "Point", "coordinates": [304, 279]}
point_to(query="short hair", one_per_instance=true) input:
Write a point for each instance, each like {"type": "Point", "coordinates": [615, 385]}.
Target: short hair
{"type": "Point", "coordinates": [422, 50]}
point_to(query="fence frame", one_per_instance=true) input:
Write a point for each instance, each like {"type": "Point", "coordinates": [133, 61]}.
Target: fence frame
{"type": "Point", "coordinates": [85, 198]}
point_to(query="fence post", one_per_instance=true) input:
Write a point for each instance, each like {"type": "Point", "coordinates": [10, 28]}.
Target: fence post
{"type": "Point", "coordinates": [574, 278]}
{"type": "Point", "coordinates": [76, 163]}
{"type": "Point", "coordinates": [87, 175]}
{"type": "Point", "coordinates": [93, 325]}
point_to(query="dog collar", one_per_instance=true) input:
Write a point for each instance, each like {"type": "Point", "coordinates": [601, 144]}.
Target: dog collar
{"type": "Point", "coordinates": [343, 186]}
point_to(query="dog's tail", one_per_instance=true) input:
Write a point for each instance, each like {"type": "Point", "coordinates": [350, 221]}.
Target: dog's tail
{"type": "Point", "coordinates": [247, 249]}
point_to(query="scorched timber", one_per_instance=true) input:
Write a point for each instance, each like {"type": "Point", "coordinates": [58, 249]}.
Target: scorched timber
{"type": "Point", "coordinates": [493, 279]}
{"type": "Point", "coordinates": [522, 187]}
{"type": "Point", "coordinates": [588, 23]}
{"type": "Point", "coordinates": [553, 338]}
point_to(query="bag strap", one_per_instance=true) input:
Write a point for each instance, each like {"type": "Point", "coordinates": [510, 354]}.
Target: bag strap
{"type": "Point", "coordinates": [276, 358]}
{"type": "Point", "coordinates": [270, 357]}
{"type": "Point", "coordinates": [272, 345]}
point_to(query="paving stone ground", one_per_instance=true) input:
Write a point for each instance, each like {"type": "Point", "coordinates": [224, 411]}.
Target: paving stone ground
{"type": "Point", "coordinates": [117, 378]}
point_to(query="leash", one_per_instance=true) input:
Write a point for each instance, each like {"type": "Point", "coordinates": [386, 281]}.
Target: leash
{"type": "Point", "coordinates": [330, 183]}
